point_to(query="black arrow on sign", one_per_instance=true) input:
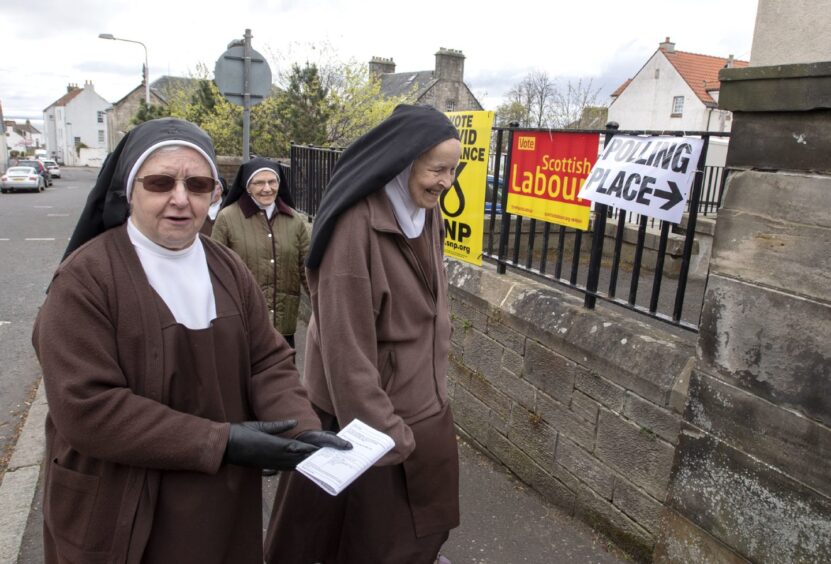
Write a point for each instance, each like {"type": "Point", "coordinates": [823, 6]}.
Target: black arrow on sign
{"type": "Point", "coordinates": [672, 198]}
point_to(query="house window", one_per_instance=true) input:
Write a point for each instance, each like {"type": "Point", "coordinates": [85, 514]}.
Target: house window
{"type": "Point", "coordinates": [451, 105]}
{"type": "Point", "coordinates": [100, 135]}
{"type": "Point", "coordinates": [100, 117]}
{"type": "Point", "coordinates": [677, 106]}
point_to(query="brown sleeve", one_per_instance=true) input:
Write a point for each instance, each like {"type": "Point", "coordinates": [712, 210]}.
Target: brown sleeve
{"type": "Point", "coordinates": [90, 401]}
{"type": "Point", "coordinates": [303, 248]}
{"type": "Point", "coordinates": [345, 318]}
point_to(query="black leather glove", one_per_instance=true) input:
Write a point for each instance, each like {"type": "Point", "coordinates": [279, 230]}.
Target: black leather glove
{"type": "Point", "coordinates": [324, 439]}
{"type": "Point", "coordinates": [254, 443]}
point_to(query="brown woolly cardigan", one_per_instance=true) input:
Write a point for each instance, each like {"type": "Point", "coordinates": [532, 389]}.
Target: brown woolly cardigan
{"type": "Point", "coordinates": [112, 436]}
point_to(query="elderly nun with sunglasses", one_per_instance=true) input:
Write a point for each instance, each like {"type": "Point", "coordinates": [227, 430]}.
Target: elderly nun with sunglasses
{"type": "Point", "coordinates": [169, 389]}
{"type": "Point", "coordinates": [257, 221]}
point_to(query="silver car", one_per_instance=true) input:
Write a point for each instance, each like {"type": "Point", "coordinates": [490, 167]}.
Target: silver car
{"type": "Point", "coordinates": [52, 167]}
{"type": "Point", "coordinates": [22, 178]}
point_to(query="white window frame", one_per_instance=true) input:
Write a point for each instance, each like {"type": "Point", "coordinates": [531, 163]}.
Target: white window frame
{"type": "Point", "coordinates": [677, 106]}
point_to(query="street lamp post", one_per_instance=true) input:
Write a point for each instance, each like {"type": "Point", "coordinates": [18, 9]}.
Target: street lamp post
{"type": "Point", "coordinates": [146, 68]}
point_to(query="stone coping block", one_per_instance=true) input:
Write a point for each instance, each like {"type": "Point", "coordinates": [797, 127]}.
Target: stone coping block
{"type": "Point", "coordinates": [769, 342]}
{"type": "Point", "coordinates": [775, 229]}
{"type": "Point", "coordinates": [624, 350]}
{"type": "Point", "coordinates": [798, 87]}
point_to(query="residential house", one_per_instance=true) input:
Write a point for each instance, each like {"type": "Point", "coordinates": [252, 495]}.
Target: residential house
{"type": "Point", "coordinates": [443, 87]}
{"type": "Point", "coordinates": [119, 118]}
{"type": "Point", "coordinates": [673, 91]}
{"type": "Point", "coordinates": [23, 138]}
{"type": "Point", "coordinates": [161, 90]}
{"type": "Point", "coordinates": [76, 126]}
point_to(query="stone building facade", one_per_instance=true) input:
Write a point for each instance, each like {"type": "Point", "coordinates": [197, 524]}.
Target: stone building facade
{"type": "Point", "coordinates": [122, 113]}
{"type": "Point", "coordinates": [443, 87]}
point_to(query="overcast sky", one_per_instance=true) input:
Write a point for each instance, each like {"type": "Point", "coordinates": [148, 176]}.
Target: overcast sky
{"type": "Point", "coordinates": [50, 43]}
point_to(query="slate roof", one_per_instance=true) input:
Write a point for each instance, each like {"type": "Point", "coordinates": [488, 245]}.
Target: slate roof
{"type": "Point", "coordinates": [166, 85]}
{"type": "Point", "coordinates": [396, 84]}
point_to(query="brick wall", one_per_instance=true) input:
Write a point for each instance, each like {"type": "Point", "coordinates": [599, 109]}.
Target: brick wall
{"type": "Point", "coordinates": [584, 406]}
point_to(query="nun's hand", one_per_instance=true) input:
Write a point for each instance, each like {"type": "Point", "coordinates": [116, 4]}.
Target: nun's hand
{"type": "Point", "coordinates": [254, 443]}
{"type": "Point", "coordinates": [324, 439]}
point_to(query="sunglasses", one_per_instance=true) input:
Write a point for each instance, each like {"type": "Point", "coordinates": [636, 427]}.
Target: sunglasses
{"type": "Point", "coordinates": [165, 183]}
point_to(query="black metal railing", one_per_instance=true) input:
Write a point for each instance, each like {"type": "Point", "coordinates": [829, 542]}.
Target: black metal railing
{"type": "Point", "coordinates": [311, 169]}
{"type": "Point", "coordinates": [631, 260]}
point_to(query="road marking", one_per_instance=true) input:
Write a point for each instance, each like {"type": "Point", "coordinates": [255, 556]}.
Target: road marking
{"type": "Point", "coordinates": [57, 215]}
{"type": "Point", "coordinates": [45, 207]}
{"type": "Point", "coordinates": [39, 239]}
{"type": "Point", "coordinates": [5, 239]}
{"type": "Point", "coordinates": [5, 323]}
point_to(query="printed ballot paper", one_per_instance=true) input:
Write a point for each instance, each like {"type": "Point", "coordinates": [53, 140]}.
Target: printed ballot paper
{"type": "Point", "coordinates": [333, 469]}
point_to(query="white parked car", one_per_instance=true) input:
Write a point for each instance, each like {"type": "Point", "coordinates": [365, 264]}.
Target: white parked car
{"type": "Point", "coordinates": [22, 178]}
{"type": "Point", "coordinates": [52, 167]}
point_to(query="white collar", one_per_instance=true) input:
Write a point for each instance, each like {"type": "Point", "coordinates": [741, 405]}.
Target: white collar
{"type": "Point", "coordinates": [410, 217]}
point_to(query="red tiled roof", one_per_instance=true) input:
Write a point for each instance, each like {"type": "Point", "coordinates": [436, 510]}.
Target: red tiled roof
{"type": "Point", "coordinates": [622, 87]}
{"type": "Point", "coordinates": [700, 71]}
{"type": "Point", "coordinates": [63, 100]}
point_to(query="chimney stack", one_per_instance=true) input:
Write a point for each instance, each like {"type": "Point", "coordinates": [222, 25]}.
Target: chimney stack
{"type": "Point", "coordinates": [380, 65]}
{"type": "Point", "coordinates": [667, 46]}
{"type": "Point", "coordinates": [450, 64]}
{"type": "Point", "coordinates": [730, 61]}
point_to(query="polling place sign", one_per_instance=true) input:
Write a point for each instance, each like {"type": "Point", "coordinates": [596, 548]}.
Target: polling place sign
{"type": "Point", "coordinates": [463, 206]}
{"type": "Point", "coordinates": [651, 176]}
{"type": "Point", "coordinates": [546, 172]}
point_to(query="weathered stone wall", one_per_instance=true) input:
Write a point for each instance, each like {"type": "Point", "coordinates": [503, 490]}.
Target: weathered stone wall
{"type": "Point", "coordinates": [751, 480]}
{"type": "Point", "coordinates": [584, 406]}
{"type": "Point", "coordinates": [446, 91]}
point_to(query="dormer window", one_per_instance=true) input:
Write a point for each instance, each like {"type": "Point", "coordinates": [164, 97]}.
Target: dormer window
{"type": "Point", "coordinates": [677, 106]}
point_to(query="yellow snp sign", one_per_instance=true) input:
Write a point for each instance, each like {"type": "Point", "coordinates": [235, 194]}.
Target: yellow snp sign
{"type": "Point", "coordinates": [463, 206]}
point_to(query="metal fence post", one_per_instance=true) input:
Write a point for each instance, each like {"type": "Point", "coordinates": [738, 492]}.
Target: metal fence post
{"type": "Point", "coordinates": [505, 222]}
{"type": "Point", "coordinates": [598, 236]}
{"type": "Point", "coordinates": [497, 174]}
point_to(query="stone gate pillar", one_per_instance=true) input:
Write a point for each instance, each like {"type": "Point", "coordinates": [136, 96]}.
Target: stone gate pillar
{"type": "Point", "coordinates": [752, 474]}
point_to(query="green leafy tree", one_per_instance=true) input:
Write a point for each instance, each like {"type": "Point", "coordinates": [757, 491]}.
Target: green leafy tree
{"type": "Point", "coordinates": [510, 112]}
{"type": "Point", "coordinates": [305, 105]}
{"type": "Point", "coordinates": [269, 134]}
{"type": "Point", "coordinates": [357, 104]}
{"type": "Point", "coordinates": [206, 107]}
{"type": "Point", "coordinates": [147, 112]}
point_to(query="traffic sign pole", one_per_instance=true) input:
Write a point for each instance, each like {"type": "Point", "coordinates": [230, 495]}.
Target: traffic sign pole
{"type": "Point", "coordinates": [243, 78]}
{"type": "Point", "coordinates": [246, 99]}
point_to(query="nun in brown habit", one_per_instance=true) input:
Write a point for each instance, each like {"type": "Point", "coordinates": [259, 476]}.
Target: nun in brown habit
{"type": "Point", "coordinates": [168, 387]}
{"type": "Point", "coordinates": [377, 350]}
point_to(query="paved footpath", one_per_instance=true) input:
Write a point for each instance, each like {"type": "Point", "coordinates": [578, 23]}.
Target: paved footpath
{"type": "Point", "coordinates": [503, 521]}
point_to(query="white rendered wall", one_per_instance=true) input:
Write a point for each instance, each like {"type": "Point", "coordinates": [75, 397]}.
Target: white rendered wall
{"type": "Point", "coordinates": [646, 103]}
